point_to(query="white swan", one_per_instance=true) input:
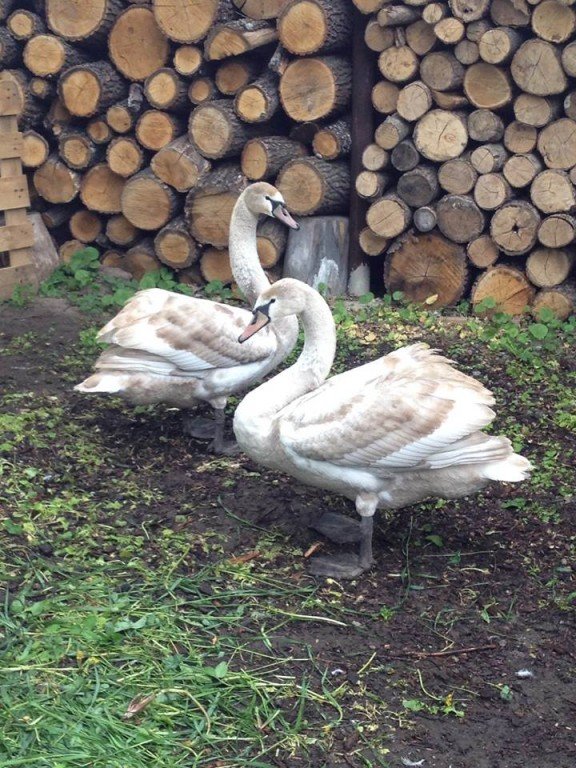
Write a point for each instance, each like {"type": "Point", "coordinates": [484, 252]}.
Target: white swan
{"type": "Point", "coordinates": [389, 434]}
{"type": "Point", "coordinates": [176, 349]}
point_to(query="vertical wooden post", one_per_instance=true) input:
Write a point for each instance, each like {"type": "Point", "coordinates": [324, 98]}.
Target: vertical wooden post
{"type": "Point", "coordinates": [16, 236]}
{"type": "Point", "coordinates": [362, 132]}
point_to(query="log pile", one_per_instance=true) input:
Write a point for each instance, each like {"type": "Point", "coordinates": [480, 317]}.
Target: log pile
{"type": "Point", "coordinates": [470, 176]}
{"type": "Point", "coordinates": [142, 122]}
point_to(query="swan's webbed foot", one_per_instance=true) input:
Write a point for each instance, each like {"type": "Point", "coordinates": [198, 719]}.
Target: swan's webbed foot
{"type": "Point", "coordinates": [338, 528]}
{"type": "Point", "coordinates": [199, 427]}
{"type": "Point", "coordinates": [345, 566]}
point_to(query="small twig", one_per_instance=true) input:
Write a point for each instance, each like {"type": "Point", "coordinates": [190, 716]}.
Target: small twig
{"type": "Point", "coordinates": [450, 652]}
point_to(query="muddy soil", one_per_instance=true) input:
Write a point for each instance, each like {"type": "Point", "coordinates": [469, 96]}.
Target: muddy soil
{"type": "Point", "coordinates": [475, 598]}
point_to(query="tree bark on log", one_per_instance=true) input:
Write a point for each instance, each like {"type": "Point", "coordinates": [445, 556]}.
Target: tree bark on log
{"type": "Point", "coordinates": [459, 218]}
{"type": "Point", "coordinates": [258, 101]}
{"type": "Point", "coordinates": [147, 202]}
{"type": "Point", "coordinates": [24, 24]}
{"type": "Point", "coordinates": [313, 186]}
{"type": "Point", "coordinates": [427, 268]}
{"type": "Point", "coordinates": [553, 192]}
{"type": "Point", "coordinates": [87, 22]}
{"type": "Point", "coordinates": [548, 267]}
{"type": "Point", "coordinates": [316, 88]}
{"type": "Point", "coordinates": [521, 170]}
{"type": "Point", "coordinates": [101, 189]}
{"type": "Point", "coordinates": [458, 176]}
{"type": "Point", "coordinates": [505, 285]}
{"type": "Point", "coordinates": [308, 27]}
{"type": "Point", "coordinates": [333, 140]}
{"type": "Point", "coordinates": [557, 230]}
{"type": "Point", "coordinates": [187, 21]}
{"type": "Point", "coordinates": [179, 165]}
{"type": "Point", "coordinates": [77, 150]}
{"type": "Point", "coordinates": [485, 126]}
{"type": "Point", "coordinates": [514, 227]}
{"type": "Point", "coordinates": [487, 86]}
{"type": "Point", "coordinates": [271, 239]}
{"type": "Point", "coordinates": [155, 129]}
{"type": "Point", "coordinates": [234, 38]}
{"type": "Point", "coordinates": [85, 225]}
{"type": "Point", "coordinates": [187, 60]}
{"type": "Point", "coordinates": [208, 206]}
{"type": "Point", "coordinates": [137, 46]}
{"type": "Point", "coordinates": [419, 186]}
{"type": "Point", "coordinates": [440, 135]}
{"type": "Point", "coordinates": [141, 259]}
{"type": "Point", "coordinates": [120, 231]}
{"type": "Point", "coordinates": [482, 252]}
{"type": "Point", "coordinates": [47, 55]}
{"type": "Point", "coordinates": [216, 132]}
{"type": "Point", "coordinates": [263, 157]}
{"type": "Point", "coordinates": [166, 90]}
{"type": "Point", "coordinates": [125, 156]}
{"type": "Point", "coordinates": [389, 216]}
{"type": "Point", "coordinates": [537, 68]}
{"type": "Point", "coordinates": [404, 157]}
{"type": "Point", "coordinates": [175, 246]}
{"type": "Point", "coordinates": [90, 88]}
{"type": "Point", "coordinates": [317, 253]}
{"type": "Point", "coordinates": [560, 300]}
{"type": "Point", "coordinates": [55, 182]}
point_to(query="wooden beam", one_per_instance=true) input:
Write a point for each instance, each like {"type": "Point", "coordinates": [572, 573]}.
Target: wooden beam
{"type": "Point", "coordinates": [362, 132]}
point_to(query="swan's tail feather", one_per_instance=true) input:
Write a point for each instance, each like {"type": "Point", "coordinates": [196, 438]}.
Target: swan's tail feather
{"type": "Point", "coordinates": [495, 455]}
{"type": "Point", "coordinates": [103, 382]}
{"type": "Point", "coordinates": [513, 469]}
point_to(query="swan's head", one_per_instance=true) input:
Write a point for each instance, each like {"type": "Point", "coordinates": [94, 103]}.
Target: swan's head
{"type": "Point", "coordinates": [263, 198]}
{"type": "Point", "coordinates": [282, 299]}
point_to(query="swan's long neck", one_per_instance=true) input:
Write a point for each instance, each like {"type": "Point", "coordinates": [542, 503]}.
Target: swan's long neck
{"type": "Point", "coordinates": [307, 373]}
{"type": "Point", "coordinates": [244, 260]}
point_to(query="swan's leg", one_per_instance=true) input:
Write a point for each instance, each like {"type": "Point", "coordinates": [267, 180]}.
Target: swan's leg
{"type": "Point", "coordinates": [350, 566]}
{"type": "Point", "coordinates": [199, 427]}
{"type": "Point", "coordinates": [218, 444]}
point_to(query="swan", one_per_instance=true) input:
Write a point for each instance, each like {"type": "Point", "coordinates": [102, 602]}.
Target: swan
{"type": "Point", "coordinates": [387, 434]}
{"type": "Point", "coordinates": [176, 349]}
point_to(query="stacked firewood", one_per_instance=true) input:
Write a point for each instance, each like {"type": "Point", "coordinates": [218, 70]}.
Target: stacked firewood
{"type": "Point", "coordinates": [471, 173]}
{"type": "Point", "coordinates": [142, 122]}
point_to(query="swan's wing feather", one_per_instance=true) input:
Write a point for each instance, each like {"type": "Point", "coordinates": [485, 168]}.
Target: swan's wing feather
{"type": "Point", "coordinates": [393, 413]}
{"type": "Point", "coordinates": [192, 334]}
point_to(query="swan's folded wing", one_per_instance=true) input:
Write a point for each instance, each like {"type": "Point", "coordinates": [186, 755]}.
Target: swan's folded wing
{"type": "Point", "coordinates": [390, 414]}
{"type": "Point", "coordinates": [193, 334]}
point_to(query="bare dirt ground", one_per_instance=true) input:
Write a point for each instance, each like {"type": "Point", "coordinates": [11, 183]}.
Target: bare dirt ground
{"type": "Point", "coordinates": [459, 645]}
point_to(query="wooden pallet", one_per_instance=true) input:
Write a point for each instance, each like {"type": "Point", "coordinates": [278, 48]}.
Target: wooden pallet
{"type": "Point", "coordinates": [16, 236]}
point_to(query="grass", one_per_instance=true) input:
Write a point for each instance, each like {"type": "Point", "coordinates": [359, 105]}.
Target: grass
{"type": "Point", "coordinates": [88, 649]}
{"type": "Point", "coordinates": [131, 637]}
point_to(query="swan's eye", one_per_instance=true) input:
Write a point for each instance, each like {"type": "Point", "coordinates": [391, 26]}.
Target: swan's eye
{"type": "Point", "coordinates": [273, 203]}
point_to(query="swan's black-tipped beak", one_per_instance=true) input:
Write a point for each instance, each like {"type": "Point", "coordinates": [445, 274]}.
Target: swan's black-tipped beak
{"type": "Point", "coordinates": [260, 320]}
{"type": "Point", "coordinates": [281, 213]}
